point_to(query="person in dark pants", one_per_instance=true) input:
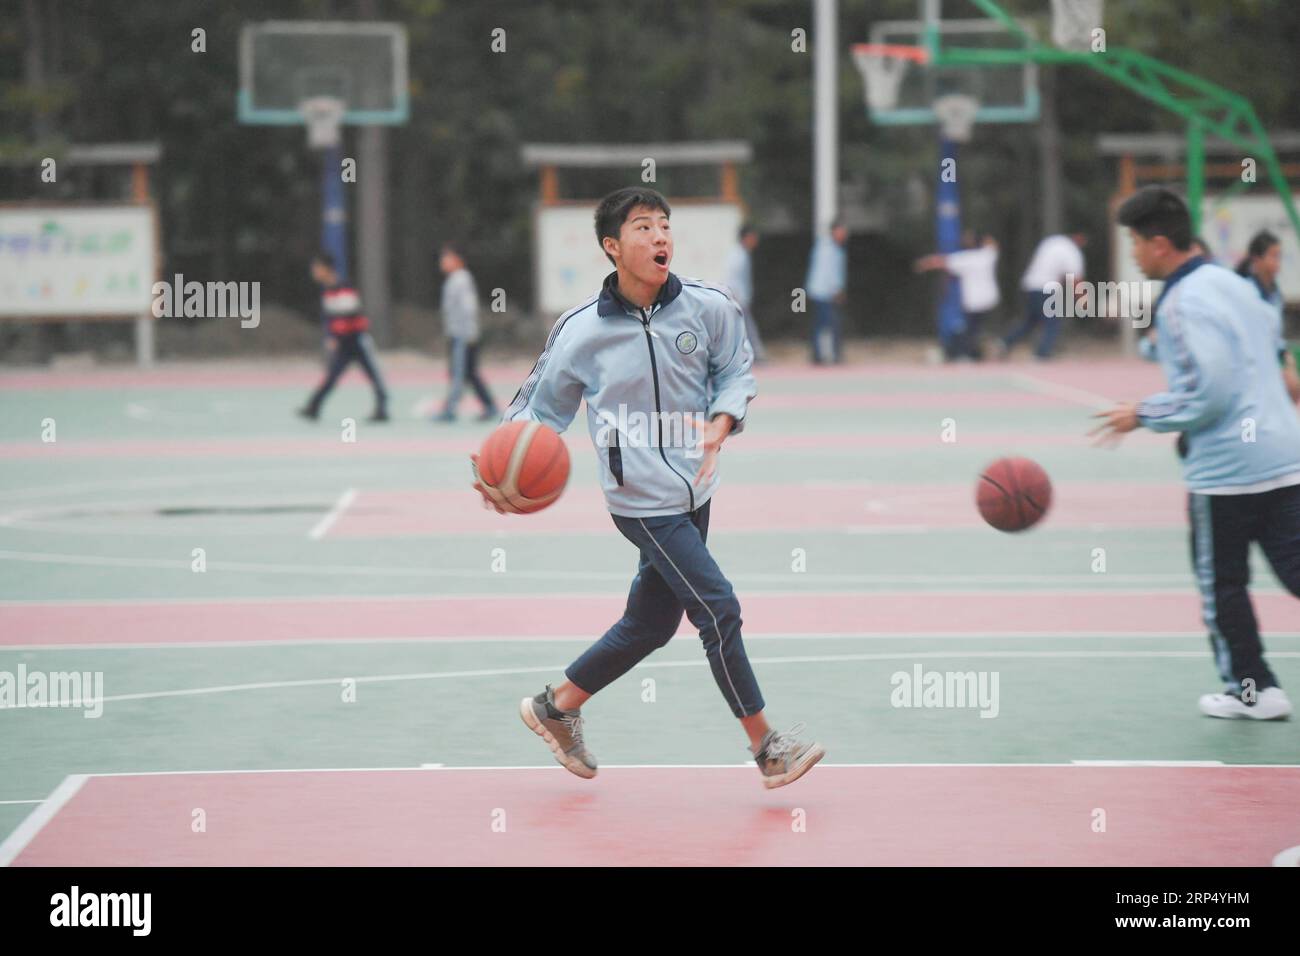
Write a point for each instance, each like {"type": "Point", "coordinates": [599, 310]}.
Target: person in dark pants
{"type": "Point", "coordinates": [1214, 339]}
{"type": "Point", "coordinates": [349, 341]}
{"type": "Point", "coordinates": [825, 285]}
{"type": "Point", "coordinates": [654, 346]}
{"type": "Point", "coordinates": [1058, 259]}
{"type": "Point", "coordinates": [460, 326]}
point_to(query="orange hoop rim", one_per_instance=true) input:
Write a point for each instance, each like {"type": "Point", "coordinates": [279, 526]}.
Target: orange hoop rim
{"type": "Point", "coordinates": [893, 51]}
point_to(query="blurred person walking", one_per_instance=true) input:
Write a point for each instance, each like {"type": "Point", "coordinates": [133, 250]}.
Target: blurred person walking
{"type": "Point", "coordinates": [460, 326]}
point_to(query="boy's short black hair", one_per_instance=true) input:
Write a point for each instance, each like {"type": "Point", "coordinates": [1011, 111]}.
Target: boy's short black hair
{"type": "Point", "coordinates": [453, 247]}
{"type": "Point", "coordinates": [325, 259]}
{"type": "Point", "coordinates": [614, 208]}
{"type": "Point", "coordinates": [1157, 211]}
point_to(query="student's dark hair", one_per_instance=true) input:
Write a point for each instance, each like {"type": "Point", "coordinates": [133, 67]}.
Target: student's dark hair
{"type": "Point", "coordinates": [746, 229]}
{"type": "Point", "coordinates": [1157, 211]}
{"type": "Point", "coordinates": [454, 247]}
{"type": "Point", "coordinates": [1260, 243]}
{"type": "Point", "coordinates": [613, 209]}
{"type": "Point", "coordinates": [326, 259]}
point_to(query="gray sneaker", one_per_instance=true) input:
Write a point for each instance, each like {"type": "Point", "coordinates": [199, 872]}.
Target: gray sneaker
{"type": "Point", "coordinates": [784, 759]}
{"type": "Point", "coordinates": [562, 731]}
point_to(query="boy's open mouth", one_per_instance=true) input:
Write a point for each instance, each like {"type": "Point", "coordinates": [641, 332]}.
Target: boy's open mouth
{"type": "Point", "coordinates": [661, 259]}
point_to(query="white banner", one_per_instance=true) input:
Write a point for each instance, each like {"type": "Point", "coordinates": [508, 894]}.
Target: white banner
{"type": "Point", "coordinates": [571, 266]}
{"type": "Point", "coordinates": [76, 260]}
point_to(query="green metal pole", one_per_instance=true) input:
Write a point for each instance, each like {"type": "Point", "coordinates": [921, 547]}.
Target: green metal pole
{"type": "Point", "coordinates": [1195, 171]}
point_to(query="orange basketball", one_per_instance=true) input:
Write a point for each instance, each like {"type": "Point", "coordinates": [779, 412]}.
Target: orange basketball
{"type": "Point", "coordinates": [525, 465]}
{"type": "Point", "coordinates": [1013, 494]}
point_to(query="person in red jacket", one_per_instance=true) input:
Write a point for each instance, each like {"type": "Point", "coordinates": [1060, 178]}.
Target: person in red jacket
{"type": "Point", "coordinates": [349, 341]}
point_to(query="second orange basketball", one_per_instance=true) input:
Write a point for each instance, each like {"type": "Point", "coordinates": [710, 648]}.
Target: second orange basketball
{"type": "Point", "coordinates": [526, 463]}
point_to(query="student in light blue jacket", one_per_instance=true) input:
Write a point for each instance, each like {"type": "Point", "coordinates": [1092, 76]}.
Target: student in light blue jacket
{"type": "Point", "coordinates": [1217, 344]}
{"type": "Point", "coordinates": [665, 369]}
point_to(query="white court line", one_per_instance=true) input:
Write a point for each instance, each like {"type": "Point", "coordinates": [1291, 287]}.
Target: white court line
{"type": "Point", "coordinates": [588, 638]}
{"type": "Point", "coordinates": [696, 662]}
{"type": "Point", "coordinates": [552, 766]}
{"type": "Point", "coordinates": [319, 530]}
{"type": "Point", "coordinates": [424, 406]}
{"type": "Point", "coordinates": [1068, 392]}
{"type": "Point", "coordinates": [620, 594]}
{"type": "Point", "coordinates": [1147, 763]}
{"type": "Point", "coordinates": [17, 841]}
{"type": "Point", "coordinates": [10, 803]}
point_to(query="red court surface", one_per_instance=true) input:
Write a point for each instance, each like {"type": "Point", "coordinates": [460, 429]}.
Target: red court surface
{"type": "Point", "coordinates": [537, 615]}
{"type": "Point", "coordinates": [663, 816]}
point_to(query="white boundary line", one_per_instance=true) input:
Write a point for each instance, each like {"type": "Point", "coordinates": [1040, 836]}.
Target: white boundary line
{"type": "Point", "coordinates": [620, 594]}
{"type": "Point", "coordinates": [17, 841]}
{"type": "Point", "coordinates": [1081, 396]}
{"type": "Point", "coordinates": [321, 527]}
{"type": "Point", "coordinates": [684, 635]}
{"type": "Point", "coordinates": [12, 803]}
{"type": "Point", "coordinates": [554, 767]}
{"type": "Point", "coordinates": [1198, 655]}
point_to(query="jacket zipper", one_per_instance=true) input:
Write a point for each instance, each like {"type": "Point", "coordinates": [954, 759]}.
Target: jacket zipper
{"type": "Point", "coordinates": [659, 417]}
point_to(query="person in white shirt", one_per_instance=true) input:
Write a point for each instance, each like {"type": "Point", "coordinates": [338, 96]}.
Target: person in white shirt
{"type": "Point", "coordinates": [740, 280]}
{"type": "Point", "coordinates": [975, 267]}
{"type": "Point", "coordinates": [1058, 259]}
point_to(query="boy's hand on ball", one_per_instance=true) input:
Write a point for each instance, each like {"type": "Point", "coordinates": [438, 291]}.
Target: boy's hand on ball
{"type": "Point", "coordinates": [710, 444]}
{"type": "Point", "coordinates": [489, 499]}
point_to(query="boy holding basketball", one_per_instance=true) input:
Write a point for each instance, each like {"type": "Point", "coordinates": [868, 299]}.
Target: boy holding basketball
{"type": "Point", "coordinates": [1218, 350]}
{"type": "Point", "coordinates": [652, 346]}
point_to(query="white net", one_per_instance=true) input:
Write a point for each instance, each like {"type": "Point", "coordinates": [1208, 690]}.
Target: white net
{"type": "Point", "coordinates": [882, 75]}
{"type": "Point", "coordinates": [956, 115]}
{"type": "Point", "coordinates": [323, 114]}
{"type": "Point", "coordinates": [1073, 22]}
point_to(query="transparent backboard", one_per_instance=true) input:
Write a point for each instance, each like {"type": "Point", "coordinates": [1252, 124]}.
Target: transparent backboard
{"type": "Point", "coordinates": [282, 64]}
{"type": "Point", "coordinates": [1006, 93]}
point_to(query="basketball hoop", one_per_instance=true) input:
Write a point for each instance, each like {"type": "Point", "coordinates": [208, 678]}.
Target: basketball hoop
{"type": "Point", "coordinates": [1073, 22]}
{"type": "Point", "coordinates": [322, 114]}
{"type": "Point", "coordinates": [883, 66]}
{"type": "Point", "coordinates": [956, 115]}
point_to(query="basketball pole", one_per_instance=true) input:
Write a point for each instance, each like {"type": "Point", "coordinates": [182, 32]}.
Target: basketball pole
{"type": "Point", "coordinates": [333, 209]}
{"type": "Point", "coordinates": [826, 175]}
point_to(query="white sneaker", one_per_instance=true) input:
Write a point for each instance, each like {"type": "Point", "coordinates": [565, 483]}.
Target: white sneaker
{"type": "Point", "coordinates": [1272, 704]}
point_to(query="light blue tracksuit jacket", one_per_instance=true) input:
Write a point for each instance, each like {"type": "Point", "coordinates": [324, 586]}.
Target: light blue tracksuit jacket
{"type": "Point", "coordinates": [1217, 342]}
{"type": "Point", "coordinates": [652, 379]}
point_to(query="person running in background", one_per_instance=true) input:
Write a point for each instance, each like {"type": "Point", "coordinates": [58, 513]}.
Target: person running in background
{"type": "Point", "coordinates": [825, 285]}
{"type": "Point", "coordinates": [460, 326]}
{"type": "Point", "coordinates": [975, 267]}
{"type": "Point", "coordinates": [740, 280]}
{"type": "Point", "coordinates": [349, 341]}
{"type": "Point", "coordinates": [1057, 259]}
{"type": "Point", "coordinates": [1261, 265]}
